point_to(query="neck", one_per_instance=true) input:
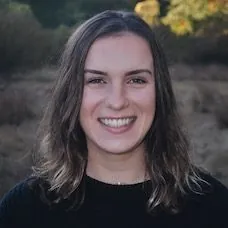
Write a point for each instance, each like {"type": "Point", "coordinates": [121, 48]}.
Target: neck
{"type": "Point", "coordinates": [117, 168]}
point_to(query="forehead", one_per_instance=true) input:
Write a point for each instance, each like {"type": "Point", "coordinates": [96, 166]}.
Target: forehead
{"type": "Point", "coordinates": [120, 51]}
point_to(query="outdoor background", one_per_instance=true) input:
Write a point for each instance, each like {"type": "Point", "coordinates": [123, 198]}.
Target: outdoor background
{"type": "Point", "coordinates": [32, 37]}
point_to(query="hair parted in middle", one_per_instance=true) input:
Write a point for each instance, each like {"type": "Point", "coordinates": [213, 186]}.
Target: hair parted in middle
{"type": "Point", "coordinates": [63, 151]}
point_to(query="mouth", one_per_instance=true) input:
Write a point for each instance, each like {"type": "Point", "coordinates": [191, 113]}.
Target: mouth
{"type": "Point", "coordinates": [117, 122]}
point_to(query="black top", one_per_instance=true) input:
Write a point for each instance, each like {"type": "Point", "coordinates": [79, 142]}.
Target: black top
{"type": "Point", "coordinates": [113, 206]}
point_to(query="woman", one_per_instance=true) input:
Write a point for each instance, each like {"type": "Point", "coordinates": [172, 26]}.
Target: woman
{"type": "Point", "coordinates": [113, 153]}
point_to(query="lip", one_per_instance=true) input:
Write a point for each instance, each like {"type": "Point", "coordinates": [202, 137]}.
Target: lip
{"type": "Point", "coordinates": [119, 130]}
{"type": "Point", "coordinates": [119, 117]}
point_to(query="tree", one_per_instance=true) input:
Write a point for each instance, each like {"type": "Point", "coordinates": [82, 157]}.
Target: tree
{"type": "Point", "coordinates": [52, 13]}
{"type": "Point", "coordinates": [185, 16]}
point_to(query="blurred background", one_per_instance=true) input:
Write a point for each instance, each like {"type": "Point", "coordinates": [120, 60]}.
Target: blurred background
{"type": "Point", "coordinates": [194, 34]}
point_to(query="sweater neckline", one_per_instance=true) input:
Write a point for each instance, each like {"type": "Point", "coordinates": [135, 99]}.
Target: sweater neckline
{"type": "Point", "coordinates": [90, 180]}
{"type": "Point", "coordinates": [116, 195]}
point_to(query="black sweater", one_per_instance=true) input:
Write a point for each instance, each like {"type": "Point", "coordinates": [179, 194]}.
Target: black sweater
{"type": "Point", "coordinates": [109, 206]}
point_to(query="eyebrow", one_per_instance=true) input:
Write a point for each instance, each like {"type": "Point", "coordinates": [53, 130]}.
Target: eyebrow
{"type": "Point", "coordinates": [95, 72]}
{"type": "Point", "coordinates": [138, 71]}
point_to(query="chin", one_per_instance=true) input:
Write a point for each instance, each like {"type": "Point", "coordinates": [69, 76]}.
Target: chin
{"type": "Point", "coordinates": [120, 148]}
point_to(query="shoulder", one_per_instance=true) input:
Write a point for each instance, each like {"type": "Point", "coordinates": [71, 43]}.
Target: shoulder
{"type": "Point", "coordinates": [214, 189]}
{"type": "Point", "coordinates": [19, 194]}
{"type": "Point", "coordinates": [22, 200]}
{"type": "Point", "coordinates": [211, 204]}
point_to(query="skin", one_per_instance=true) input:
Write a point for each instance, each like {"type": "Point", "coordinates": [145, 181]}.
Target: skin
{"type": "Point", "coordinates": [119, 82]}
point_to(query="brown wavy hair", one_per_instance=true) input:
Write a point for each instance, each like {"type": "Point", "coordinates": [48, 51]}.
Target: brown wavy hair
{"type": "Point", "coordinates": [62, 156]}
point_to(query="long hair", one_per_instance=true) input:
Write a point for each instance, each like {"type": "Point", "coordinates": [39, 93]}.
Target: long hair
{"type": "Point", "coordinates": [63, 151]}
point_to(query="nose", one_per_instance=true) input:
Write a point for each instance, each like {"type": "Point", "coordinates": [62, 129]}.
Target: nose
{"type": "Point", "coordinates": [116, 98]}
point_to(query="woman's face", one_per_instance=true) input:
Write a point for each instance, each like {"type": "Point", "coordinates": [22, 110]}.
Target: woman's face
{"type": "Point", "coordinates": [118, 104]}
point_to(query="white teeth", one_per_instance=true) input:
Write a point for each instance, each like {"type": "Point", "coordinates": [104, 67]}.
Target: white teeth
{"type": "Point", "coordinates": [120, 122]}
{"type": "Point", "coordinates": [117, 122]}
{"type": "Point", "coordinates": [105, 121]}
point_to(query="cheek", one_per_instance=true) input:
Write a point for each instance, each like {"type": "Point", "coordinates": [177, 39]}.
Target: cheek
{"type": "Point", "coordinates": [145, 99]}
{"type": "Point", "coordinates": [89, 102]}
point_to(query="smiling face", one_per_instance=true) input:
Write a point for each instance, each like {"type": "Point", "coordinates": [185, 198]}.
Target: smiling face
{"type": "Point", "coordinates": [118, 104]}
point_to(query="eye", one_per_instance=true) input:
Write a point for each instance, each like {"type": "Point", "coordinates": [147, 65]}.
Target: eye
{"type": "Point", "coordinates": [96, 81]}
{"type": "Point", "coordinates": [137, 81]}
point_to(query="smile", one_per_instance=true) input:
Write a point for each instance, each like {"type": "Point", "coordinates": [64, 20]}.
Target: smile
{"type": "Point", "coordinates": [117, 122]}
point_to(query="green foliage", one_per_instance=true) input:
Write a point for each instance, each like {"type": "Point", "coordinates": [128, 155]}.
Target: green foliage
{"type": "Point", "coordinates": [4, 3]}
{"type": "Point", "coordinates": [193, 50]}
{"type": "Point", "coordinates": [24, 43]}
{"type": "Point", "coordinates": [92, 7]}
{"type": "Point", "coordinates": [18, 7]}
{"type": "Point", "coordinates": [52, 13]}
